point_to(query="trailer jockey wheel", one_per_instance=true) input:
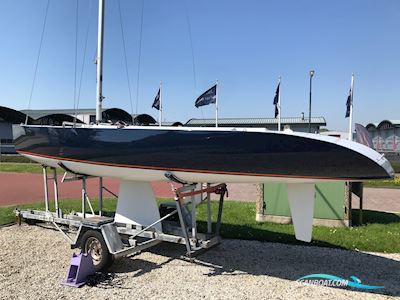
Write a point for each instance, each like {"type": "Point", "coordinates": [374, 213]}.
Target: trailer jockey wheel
{"type": "Point", "coordinates": [93, 241]}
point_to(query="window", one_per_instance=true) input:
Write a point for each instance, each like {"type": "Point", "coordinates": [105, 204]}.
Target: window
{"type": "Point", "coordinates": [6, 141]}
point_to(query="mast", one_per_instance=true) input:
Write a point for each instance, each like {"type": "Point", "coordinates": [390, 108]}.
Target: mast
{"type": "Point", "coordinates": [99, 62]}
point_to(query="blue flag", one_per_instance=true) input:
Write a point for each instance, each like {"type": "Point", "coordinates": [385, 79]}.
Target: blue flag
{"type": "Point", "coordinates": [208, 97]}
{"type": "Point", "coordinates": [156, 103]}
{"type": "Point", "coordinates": [348, 104]}
{"type": "Point", "coordinates": [276, 100]}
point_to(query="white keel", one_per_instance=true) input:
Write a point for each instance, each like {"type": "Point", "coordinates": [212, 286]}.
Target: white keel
{"type": "Point", "coordinates": [137, 204]}
{"type": "Point", "coordinates": [301, 202]}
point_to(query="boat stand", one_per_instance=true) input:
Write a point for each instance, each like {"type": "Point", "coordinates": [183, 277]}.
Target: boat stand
{"type": "Point", "coordinates": [177, 221]}
{"type": "Point", "coordinates": [192, 240]}
{"type": "Point", "coordinates": [178, 225]}
{"type": "Point", "coordinates": [57, 218]}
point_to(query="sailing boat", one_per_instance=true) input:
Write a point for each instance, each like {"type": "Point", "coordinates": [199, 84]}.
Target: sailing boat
{"type": "Point", "coordinates": [139, 154]}
{"type": "Point", "coordinates": [145, 153]}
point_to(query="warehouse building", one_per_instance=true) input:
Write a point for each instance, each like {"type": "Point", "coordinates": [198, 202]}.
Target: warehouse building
{"type": "Point", "coordinates": [86, 115]}
{"type": "Point", "coordinates": [294, 123]}
{"type": "Point", "coordinates": [8, 117]}
{"type": "Point", "coordinates": [385, 135]}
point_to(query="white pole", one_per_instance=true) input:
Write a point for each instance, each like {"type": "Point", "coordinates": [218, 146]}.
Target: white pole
{"type": "Point", "coordinates": [161, 107]}
{"type": "Point", "coordinates": [216, 104]}
{"type": "Point", "coordinates": [99, 62]}
{"type": "Point", "coordinates": [279, 105]}
{"type": "Point", "coordinates": [351, 108]}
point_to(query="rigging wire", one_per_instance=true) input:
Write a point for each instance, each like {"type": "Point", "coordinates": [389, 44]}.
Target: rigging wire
{"type": "Point", "coordinates": [83, 61]}
{"type": "Point", "coordinates": [125, 57]}
{"type": "Point", "coordinates": [37, 61]}
{"type": "Point", "coordinates": [95, 56]}
{"type": "Point", "coordinates": [191, 46]}
{"type": "Point", "coordinates": [140, 54]}
{"type": "Point", "coordinates": [192, 52]}
{"type": "Point", "coordinates": [76, 54]}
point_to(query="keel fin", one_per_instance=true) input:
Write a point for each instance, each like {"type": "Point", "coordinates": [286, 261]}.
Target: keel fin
{"type": "Point", "coordinates": [137, 204]}
{"type": "Point", "coordinates": [301, 202]}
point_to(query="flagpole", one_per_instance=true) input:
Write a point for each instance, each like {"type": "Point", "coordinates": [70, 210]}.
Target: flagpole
{"type": "Point", "coordinates": [216, 104]}
{"type": "Point", "coordinates": [161, 107]}
{"type": "Point", "coordinates": [351, 108]}
{"type": "Point", "coordinates": [279, 105]}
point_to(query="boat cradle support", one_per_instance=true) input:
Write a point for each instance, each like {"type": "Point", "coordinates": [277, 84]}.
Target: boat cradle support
{"type": "Point", "coordinates": [57, 218]}
{"type": "Point", "coordinates": [124, 239]}
{"type": "Point", "coordinates": [177, 223]}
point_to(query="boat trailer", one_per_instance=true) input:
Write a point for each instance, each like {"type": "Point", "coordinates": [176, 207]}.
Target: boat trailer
{"type": "Point", "coordinates": [107, 238]}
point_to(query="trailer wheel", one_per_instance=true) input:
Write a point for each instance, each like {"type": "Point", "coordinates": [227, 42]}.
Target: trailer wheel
{"type": "Point", "coordinates": [93, 241]}
{"type": "Point", "coordinates": [30, 221]}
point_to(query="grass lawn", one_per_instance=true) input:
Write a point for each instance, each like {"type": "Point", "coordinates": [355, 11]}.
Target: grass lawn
{"type": "Point", "coordinates": [20, 167]}
{"type": "Point", "coordinates": [14, 158]}
{"type": "Point", "coordinates": [395, 182]}
{"type": "Point", "coordinates": [23, 167]}
{"type": "Point", "coordinates": [381, 232]}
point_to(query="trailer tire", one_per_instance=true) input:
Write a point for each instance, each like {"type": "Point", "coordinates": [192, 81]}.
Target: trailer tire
{"type": "Point", "coordinates": [93, 241]}
{"type": "Point", "coordinates": [30, 221]}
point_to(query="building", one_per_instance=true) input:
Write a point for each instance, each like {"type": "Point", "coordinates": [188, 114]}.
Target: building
{"type": "Point", "coordinates": [338, 134]}
{"type": "Point", "coordinates": [6, 138]}
{"type": "Point", "coordinates": [8, 118]}
{"type": "Point", "coordinates": [385, 135]}
{"type": "Point", "coordinates": [86, 115]}
{"type": "Point", "coordinates": [294, 123]}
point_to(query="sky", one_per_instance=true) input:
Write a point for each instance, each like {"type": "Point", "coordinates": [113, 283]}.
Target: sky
{"type": "Point", "coordinates": [244, 44]}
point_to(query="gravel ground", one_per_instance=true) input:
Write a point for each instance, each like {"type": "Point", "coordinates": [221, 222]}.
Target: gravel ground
{"type": "Point", "coordinates": [34, 260]}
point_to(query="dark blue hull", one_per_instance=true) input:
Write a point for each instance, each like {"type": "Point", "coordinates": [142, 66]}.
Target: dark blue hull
{"type": "Point", "coordinates": [207, 151]}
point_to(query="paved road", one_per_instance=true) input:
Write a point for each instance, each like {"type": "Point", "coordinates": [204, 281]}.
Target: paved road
{"type": "Point", "coordinates": [381, 199]}
{"type": "Point", "coordinates": [18, 188]}
{"type": "Point", "coordinates": [21, 188]}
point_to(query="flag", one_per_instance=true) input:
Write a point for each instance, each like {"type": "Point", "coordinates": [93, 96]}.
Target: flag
{"type": "Point", "coordinates": [156, 103]}
{"type": "Point", "coordinates": [208, 97]}
{"type": "Point", "coordinates": [276, 100]}
{"type": "Point", "coordinates": [363, 136]}
{"type": "Point", "coordinates": [348, 104]}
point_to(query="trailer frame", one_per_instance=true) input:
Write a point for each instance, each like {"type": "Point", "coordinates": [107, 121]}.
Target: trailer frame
{"type": "Point", "coordinates": [109, 240]}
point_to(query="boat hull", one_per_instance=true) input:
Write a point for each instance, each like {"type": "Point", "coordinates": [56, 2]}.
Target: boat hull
{"type": "Point", "coordinates": [201, 155]}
